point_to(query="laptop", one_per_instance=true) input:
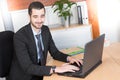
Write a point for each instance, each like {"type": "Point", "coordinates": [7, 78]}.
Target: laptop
{"type": "Point", "coordinates": [92, 58]}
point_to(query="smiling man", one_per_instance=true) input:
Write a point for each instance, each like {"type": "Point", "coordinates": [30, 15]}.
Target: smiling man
{"type": "Point", "coordinates": [32, 43]}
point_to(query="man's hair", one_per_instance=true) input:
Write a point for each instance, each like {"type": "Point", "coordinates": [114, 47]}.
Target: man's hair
{"type": "Point", "coordinates": [35, 5]}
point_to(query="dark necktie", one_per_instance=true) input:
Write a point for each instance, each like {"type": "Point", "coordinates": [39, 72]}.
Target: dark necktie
{"type": "Point", "coordinates": [42, 60]}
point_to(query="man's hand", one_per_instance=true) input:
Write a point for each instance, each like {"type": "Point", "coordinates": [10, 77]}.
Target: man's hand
{"type": "Point", "coordinates": [72, 60]}
{"type": "Point", "coordinates": [66, 68]}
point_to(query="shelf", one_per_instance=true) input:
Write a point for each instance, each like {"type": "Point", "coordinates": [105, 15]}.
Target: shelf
{"type": "Point", "coordinates": [71, 26]}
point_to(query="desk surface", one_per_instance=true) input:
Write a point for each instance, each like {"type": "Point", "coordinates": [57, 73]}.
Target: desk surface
{"type": "Point", "coordinates": [108, 70]}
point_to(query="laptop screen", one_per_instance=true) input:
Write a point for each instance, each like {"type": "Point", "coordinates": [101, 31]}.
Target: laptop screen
{"type": "Point", "coordinates": [93, 53]}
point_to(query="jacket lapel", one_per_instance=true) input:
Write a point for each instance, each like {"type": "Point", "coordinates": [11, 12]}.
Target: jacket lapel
{"type": "Point", "coordinates": [32, 43]}
{"type": "Point", "coordinates": [44, 35]}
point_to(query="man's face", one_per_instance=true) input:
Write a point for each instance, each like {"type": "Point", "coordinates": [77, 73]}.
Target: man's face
{"type": "Point", "coordinates": [37, 18]}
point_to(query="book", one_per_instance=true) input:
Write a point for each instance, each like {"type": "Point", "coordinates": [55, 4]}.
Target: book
{"type": "Point", "coordinates": [73, 51]}
{"type": "Point", "coordinates": [81, 50]}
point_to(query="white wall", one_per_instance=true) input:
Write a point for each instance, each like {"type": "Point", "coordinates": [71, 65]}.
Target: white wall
{"type": "Point", "coordinates": [109, 19]}
{"type": "Point", "coordinates": [1, 23]}
{"type": "Point", "coordinates": [19, 19]}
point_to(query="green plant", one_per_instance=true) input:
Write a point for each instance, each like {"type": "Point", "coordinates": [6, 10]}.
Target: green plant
{"type": "Point", "coordinates": [63, 7]}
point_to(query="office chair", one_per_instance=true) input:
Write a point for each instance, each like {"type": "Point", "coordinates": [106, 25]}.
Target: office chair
{"type": "Point", "coordinates": [6, 52]}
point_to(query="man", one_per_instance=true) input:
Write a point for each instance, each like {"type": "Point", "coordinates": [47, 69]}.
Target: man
{"type": "Point", "coordinates": [28, 62]}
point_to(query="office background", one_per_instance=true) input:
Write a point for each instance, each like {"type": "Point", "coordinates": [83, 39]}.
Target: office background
{"type": "Point", "coordinates": [108, 17]}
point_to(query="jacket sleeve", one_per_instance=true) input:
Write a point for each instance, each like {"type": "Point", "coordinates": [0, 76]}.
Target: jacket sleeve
{"type": "Point", "coordinates": [55, 53]}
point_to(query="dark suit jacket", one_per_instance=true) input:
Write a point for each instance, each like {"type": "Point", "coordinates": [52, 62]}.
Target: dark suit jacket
{"type": "Point", "coordinates": [24, 65]}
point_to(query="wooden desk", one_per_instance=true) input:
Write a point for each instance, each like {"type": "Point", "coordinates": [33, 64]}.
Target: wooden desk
{"type": "Point", "coordinates": [108, 70]}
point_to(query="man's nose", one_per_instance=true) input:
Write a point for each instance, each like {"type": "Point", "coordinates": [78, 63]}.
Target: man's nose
{"type": "Point", "coordinates": [39, 19]}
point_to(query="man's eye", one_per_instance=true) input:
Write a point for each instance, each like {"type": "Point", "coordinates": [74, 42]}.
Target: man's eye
{"type": "Point", "coordinates": [35, 16]}
{"type": "Point", "coordinates": [42, 16]}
